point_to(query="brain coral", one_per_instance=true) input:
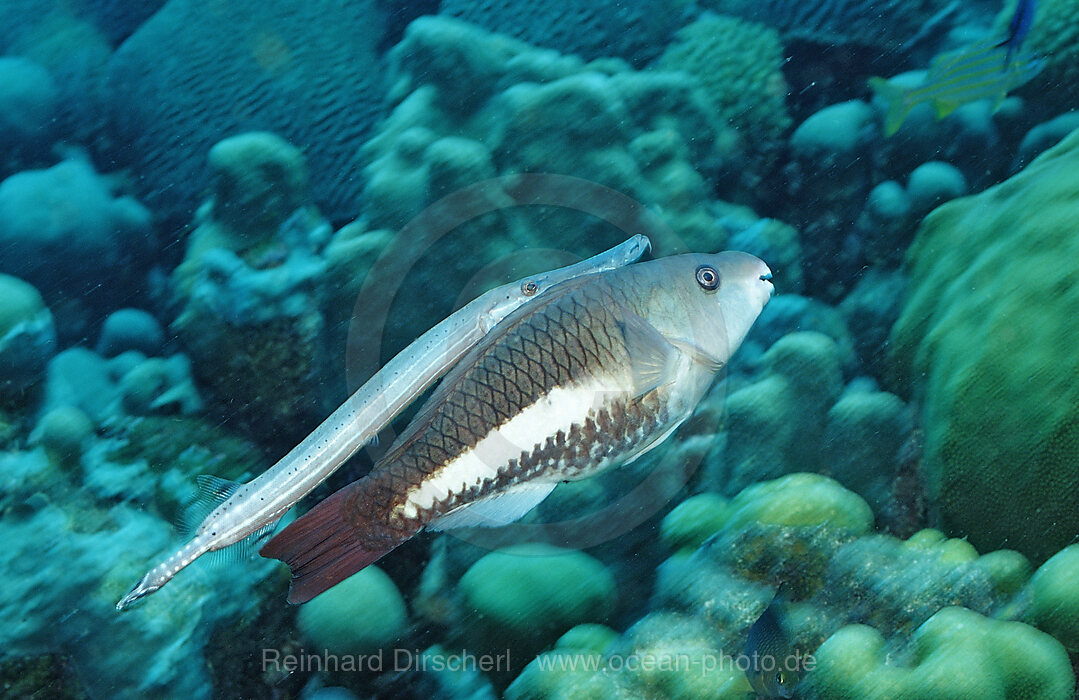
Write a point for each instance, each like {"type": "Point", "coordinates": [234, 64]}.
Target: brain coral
{"type": "Point", "coordinates": [886, 25]}
{"type": "Point", "coordinates": [1054, 38]}
{"type": "Point", "coordinates": [738, 65]}
{"type": "Point", "coordinates": [989, 336]}
{"type": "Point", "coordinates": [201, 69]}
{"type": "Point", "coordinates": [633, 31]}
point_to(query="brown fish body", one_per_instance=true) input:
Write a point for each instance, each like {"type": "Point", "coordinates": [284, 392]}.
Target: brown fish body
{"type": "Point", "coordinates": [573, 342]}
{"type": "Point", "coordinates": [561, 390]}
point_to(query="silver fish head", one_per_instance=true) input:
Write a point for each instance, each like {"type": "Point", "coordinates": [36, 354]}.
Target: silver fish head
{"type": "Point", "coordinates": [709, 301]}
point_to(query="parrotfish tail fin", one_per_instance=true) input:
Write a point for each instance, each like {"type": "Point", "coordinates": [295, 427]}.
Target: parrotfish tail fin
{"type": "Point", "coordinates": [321, 549]}
{"type": "Point", "coordinates": [895, 103]}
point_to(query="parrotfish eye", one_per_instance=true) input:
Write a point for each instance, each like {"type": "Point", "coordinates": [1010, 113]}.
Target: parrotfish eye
{"type": "Point", "coordinates": [708, 278]}
{"type": "Point", "coordinates": [528, 288]}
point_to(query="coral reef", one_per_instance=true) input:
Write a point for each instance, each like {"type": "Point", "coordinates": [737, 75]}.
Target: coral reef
{"type": "Point", "coordinates": [64, 433]}
{"type": "Point", "coordinates": [524, 597]}
{"type": "Point", "coordinates": [62, 217]}
{"type": "Point", "coordinates": [859, 593]}
{"type": "Point", "coordinates": [888, 26]}
{"type": "Point", "coordinates": [130, 329]}
{"type": "Point", "coordinates": [76, 560]}
{"type": "Point", "coordinates": [302, 72]}
{"type": "Point", "coordinates": [1053, 607]}
{"type": "Point", "coordinates": [773, 421]}
{"type": "Point", "coordinates": [992, 368]}
{"type": "Point", "coordinates": [27, 335]}
{"type": "Point", "coordinates": [738, 65]}
{"type": "Point", "coordinates": [360, 615]}
{"type": "Point", "coordinates": [590, 30]}
{"type": "Point", "coordinates": [903, 409]}
{"type": "Point", "coordinates": [250, 288]}
{"type": "Point", "coordinates": [1054, 38]}
{"type": "Point", "coordinates": [54, 35]}
{"type": "Point", "coordinates": [117, 19]}
{"type": "Point", "coordinates": [28, 108]}
{"type": "Point", "coordinates": [259, 181]}
{"type": "Point", "coordinates": [129, 384]}
{"type": "Point", "coordinates": [649, 135]}
{"type": "Point", "coordinates": [955, 653]}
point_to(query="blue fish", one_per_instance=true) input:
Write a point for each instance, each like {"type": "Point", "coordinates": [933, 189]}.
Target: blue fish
{"type": "Point", "coordinates": [769, 651]}
{"type": "Point", "coordinates": [1018, 29]}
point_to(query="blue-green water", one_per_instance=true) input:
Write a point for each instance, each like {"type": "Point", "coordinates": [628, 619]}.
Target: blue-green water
{"type": "Point", "coordinates": [218, 218]}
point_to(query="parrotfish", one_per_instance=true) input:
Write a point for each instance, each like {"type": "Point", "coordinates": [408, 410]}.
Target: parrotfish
{"type": "Point", "coordinates": [600, 370]}
{"type": "Point", "coordinates": [246, 512]}
{"type": "Point", "coordinates": [981, 71]}
{"type": "Point", "coordinates": [770, 653]}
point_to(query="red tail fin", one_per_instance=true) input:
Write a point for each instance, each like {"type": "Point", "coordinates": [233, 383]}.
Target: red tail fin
{"type": "Point", "coordinates": [321, 549]}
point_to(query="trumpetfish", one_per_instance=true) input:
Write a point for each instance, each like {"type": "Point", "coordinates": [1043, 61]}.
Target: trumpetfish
{"type": "Point", "coordinates": [246, 512]}
{"type": "Point", "coordinates": [597, 372]}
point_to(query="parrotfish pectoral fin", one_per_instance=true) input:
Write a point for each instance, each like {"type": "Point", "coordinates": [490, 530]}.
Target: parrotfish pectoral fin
{"type": "Point", "coordinates": [652, 357]}
{"type": "Point", "coordinates": [501, 509]}
{"type": "Point", "coordinates": [321, 549]}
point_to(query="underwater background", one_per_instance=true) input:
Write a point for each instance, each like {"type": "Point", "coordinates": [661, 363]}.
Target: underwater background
{"type": "Point", "coordinates": [193, 194]}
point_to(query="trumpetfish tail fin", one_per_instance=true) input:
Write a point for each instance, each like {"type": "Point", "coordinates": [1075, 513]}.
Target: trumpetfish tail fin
{"type": "Point", "coordinates": [321, 549]}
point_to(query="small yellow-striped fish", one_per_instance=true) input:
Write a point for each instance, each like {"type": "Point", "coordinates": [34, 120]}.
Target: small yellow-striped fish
{"type": "Point", "coordinates": [978, 72]}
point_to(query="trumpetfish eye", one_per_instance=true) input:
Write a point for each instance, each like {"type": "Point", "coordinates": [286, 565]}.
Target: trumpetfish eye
{"type": "Point", "coordinates": [528, 288]}
{"type": "Point", "coordinates": [708, 278]}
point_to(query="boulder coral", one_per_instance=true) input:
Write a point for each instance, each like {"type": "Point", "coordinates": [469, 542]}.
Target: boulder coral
{"type": "Point", "coordinates": [1054, 39]}
{"type": "Point", "coordinates": [738, 65]}
{"type": "Point", "coordinates": [198, 69]}
{"type": "Point", "coordinates": [28, 107]}
{"type": "Point", "coordinates": [470, 104]}
{"type": "Point", "coordinates": [957, 653]}
{"type": "Point", "coordinates": [1054, 606]}
{"type": "Point", "coordinates": [249, 290]}
{"type": "Point", "coordinates": [633, 32]}
{"type": "Point", "coordinates": [360, 615]}
{"type": "Point", "coordinates": [27, 335]}
{"type": "Point", "coordinates": [884, 26]}
{"type": "Point", "coordinates": [925, 617]}
{"type": "Point", "coordinates": [524, 597]}
{"type": "Point", "coordinates": [776, 423]}
{"type": "Point", "coordinates": [69, 218]}
{"type": "Point", "coordinates": [987, 344]}
{"type": "Point", "coordinates": [259, 180]}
